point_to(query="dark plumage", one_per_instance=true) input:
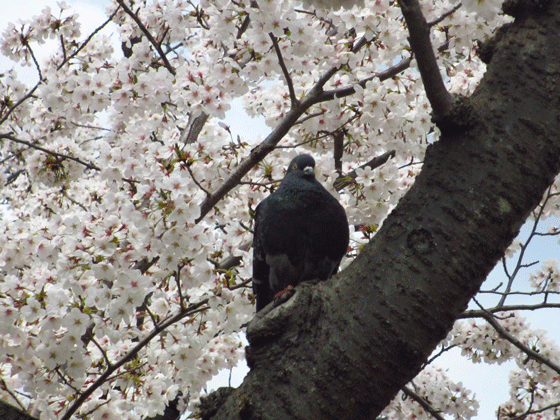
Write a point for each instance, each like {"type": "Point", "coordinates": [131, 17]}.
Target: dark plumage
{"type": "Point", "coordinates": [301, 233]}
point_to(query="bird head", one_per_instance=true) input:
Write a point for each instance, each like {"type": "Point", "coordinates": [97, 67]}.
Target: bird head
{"type": "Point", "coordinates": [303, 163]}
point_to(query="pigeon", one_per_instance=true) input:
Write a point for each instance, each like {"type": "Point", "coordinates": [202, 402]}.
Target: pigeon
{"type": "Point", "coordinates": [301, 233]}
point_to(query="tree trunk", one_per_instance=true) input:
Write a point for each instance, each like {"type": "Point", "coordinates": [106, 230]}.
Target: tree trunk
{"type": "Point", "coordinates": [343, 348]}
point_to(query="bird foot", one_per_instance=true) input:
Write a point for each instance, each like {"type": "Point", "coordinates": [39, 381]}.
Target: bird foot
{"type": "Point", "coordinates": [283, 296]}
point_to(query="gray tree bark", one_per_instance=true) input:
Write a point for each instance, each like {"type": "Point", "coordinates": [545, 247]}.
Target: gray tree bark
{"type": "Point", "coordinates": [343, 348]}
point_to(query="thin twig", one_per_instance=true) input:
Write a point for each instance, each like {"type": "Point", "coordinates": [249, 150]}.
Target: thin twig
{"type": "Point", "coordinates": [198, 184]}
{"type": "Point", "coordinates": [289, 82]}
{"type": "Point", "coordinates": [528, 412]}
{"type": "Point", "coordinates": [20, 101]}
{"type": "Point", "coordinates": [435, 356]}
{"type": "Point", "coordinates": [241, 30]}
{"type": "Point", "coordinates": [83, 44]}
{"type": "Point", "coordinates": [523, 248]}
{"type": "Point", "coordinates": [65, 380]}
{"type": "Point", "coordinates": [65, 194]}
{"type": "Point", "coordinates": [309, 116]}
{"type": "Point", "coordinates": [240, 285]}
{"type": "Point", "coordinates": [425, 404]}
{"type": "Point", "coordinates": [348, 179]}
{"type": "Point", "coordinates": [152, 40]}
{"type": "Point", "coordinates": [179, 288]}
{"type": "Point", "coordinates": [480, 313]}
{"type": "Point", "coordinates": [382, 75]}
{"type": "Point", "coordinates": [5, 388]}
{"type": "Point", "coordinates": [103, 352]}
{"type": "Point", "coordinates": [190, 310]}
{"type": "Point", "coordinates": [50, 152]}
{"type": "Point", "coordinates": [446, 14]}
{"type": "Point", "coordinates": [35, 61]}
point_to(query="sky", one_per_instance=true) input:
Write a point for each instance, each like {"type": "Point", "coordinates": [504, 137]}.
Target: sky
{"type": "Point", "coordinates": [489, 382]}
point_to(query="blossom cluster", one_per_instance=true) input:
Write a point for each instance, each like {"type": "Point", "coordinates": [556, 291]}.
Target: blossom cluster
{"type": "Point", "coordinates": [106, 239]}
{"type": "Point", "coordinates": [439, 391]}
{"type": "Point", "coordinates": [534, 386]}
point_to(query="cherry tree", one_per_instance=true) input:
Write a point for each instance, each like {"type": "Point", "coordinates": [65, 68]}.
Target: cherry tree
{"type": "Point", "coordinates": [125, 258]}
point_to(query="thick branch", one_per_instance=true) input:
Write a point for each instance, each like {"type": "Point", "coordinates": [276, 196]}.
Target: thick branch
{"type": "Point", "coordinates": [343, 348]}
{"type": "Point", "coordinates": [440, 99]}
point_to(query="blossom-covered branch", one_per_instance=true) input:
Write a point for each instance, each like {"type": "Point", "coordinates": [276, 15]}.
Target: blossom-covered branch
{"type": "Point", "coordinates": [525, 349]}
{"type": "Point", "coordinates": [113, 367]}
{"type": "Point", "coordinates": [146, 32]}
{"type": "Point", "coordinates": [62, 156]}
{"type": "Point", "coordinates": [425, 404]}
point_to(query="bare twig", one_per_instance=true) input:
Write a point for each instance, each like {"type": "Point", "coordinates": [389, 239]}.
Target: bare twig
{"type": "Point", "coordinates": [289, 82]}
{"type": "Point", "coordinates": [65, 194]}
{"type": "Point", "coordinates": [419, 39]}
{"type": "Point", "coordinates": [480, 313]}
{"type": "Point", "coordinates": [179, 287]}
{"type": "Point", "coordinates": [63, 48]}
{"type": "Point", "coordinates": [240, 285]}
{"type": "Point", "coordinates": [103, 352]}
{"type": "Point", "coordinates": [538, 292]}
{"type": "Point", "coordinates": [19, 102]}
{"type": "Point", "coordinates": [37, 66]}
{"type": "Point", "coordinates": [523, 248]}
{"type": "Point", "coordinates": [309, 116]}
{"type": "Point", "coordinates": [189, 310]}
{"type": "Point", "coordinates": [243, 27]}
{"type": "Point", "coordinates": [439, 353]}
{"type": "Point", "coordinates": [152, 40]}
{"type": "Point", "coordinates": [50, 152]}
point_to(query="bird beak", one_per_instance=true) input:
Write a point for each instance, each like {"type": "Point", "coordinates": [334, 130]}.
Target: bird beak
{"type": "Point", "coordinates": [308, 170]}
